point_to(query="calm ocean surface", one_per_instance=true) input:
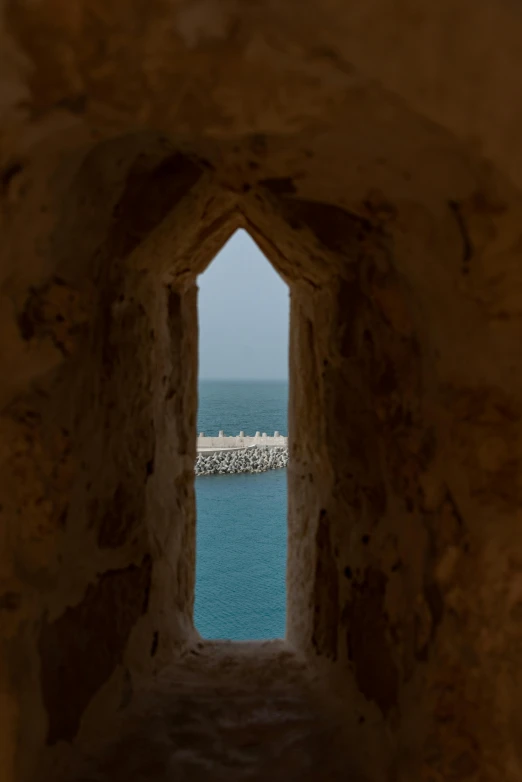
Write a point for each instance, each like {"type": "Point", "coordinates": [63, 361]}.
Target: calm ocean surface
{"type": "Point", "coordinates": [241, 520]}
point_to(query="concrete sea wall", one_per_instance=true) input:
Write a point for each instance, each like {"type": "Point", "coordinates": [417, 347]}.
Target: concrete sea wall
{"type": "Point", "coordinates": [241, 441]}
{"type": "Point", "coordinates": [229, 455]}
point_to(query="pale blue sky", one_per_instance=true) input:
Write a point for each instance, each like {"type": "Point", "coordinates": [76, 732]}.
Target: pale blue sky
{"type": "Point", "coordinates": [243, 315]}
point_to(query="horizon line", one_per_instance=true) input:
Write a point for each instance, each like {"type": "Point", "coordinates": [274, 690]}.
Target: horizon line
{"type": "Point", "coordinates": [246, 379]}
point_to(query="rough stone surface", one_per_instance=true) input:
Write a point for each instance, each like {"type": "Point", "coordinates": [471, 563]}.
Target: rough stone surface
{"type": "Point", "coordinates": [373, 152]}
{"type": "Point", "coordinates": [235, 711]}
{"type": "Point", "coordinates": [90, 638]}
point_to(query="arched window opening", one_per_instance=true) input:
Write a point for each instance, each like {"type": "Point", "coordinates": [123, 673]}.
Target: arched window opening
{"type": "Point", "coordinates": [242, 446]}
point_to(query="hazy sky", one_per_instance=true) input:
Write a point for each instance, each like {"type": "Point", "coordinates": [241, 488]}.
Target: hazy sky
{"type": "Point", "coordinates": [243, 315]}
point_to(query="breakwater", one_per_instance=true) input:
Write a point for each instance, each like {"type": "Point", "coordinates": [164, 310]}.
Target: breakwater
{"type": "Point", "coordinates": [229, 455]}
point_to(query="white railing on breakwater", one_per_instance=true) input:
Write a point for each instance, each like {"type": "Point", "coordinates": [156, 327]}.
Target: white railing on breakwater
{"type": "Point", "coordinates": [224, 442]}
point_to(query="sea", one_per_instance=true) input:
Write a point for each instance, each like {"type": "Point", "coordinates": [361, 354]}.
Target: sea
{"type": "Point", "coordinates": [241, 520]}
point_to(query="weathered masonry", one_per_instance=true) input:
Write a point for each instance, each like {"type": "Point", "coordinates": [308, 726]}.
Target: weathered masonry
{"type": "Point", "coordinates": [373, 152]}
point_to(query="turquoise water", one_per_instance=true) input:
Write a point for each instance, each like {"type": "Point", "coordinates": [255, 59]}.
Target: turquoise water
{"type": "Point", "coordinates": [241, 521]}
{"type": "Point", "coordinates": [243, 405]}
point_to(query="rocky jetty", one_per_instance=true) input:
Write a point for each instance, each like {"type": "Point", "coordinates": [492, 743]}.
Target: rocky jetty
{"type": "Point", "coordinates": [230, 462]}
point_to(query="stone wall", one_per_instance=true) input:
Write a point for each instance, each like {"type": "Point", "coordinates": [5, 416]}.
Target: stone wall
{"type": "Point", "coordinates": [373, 152]}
